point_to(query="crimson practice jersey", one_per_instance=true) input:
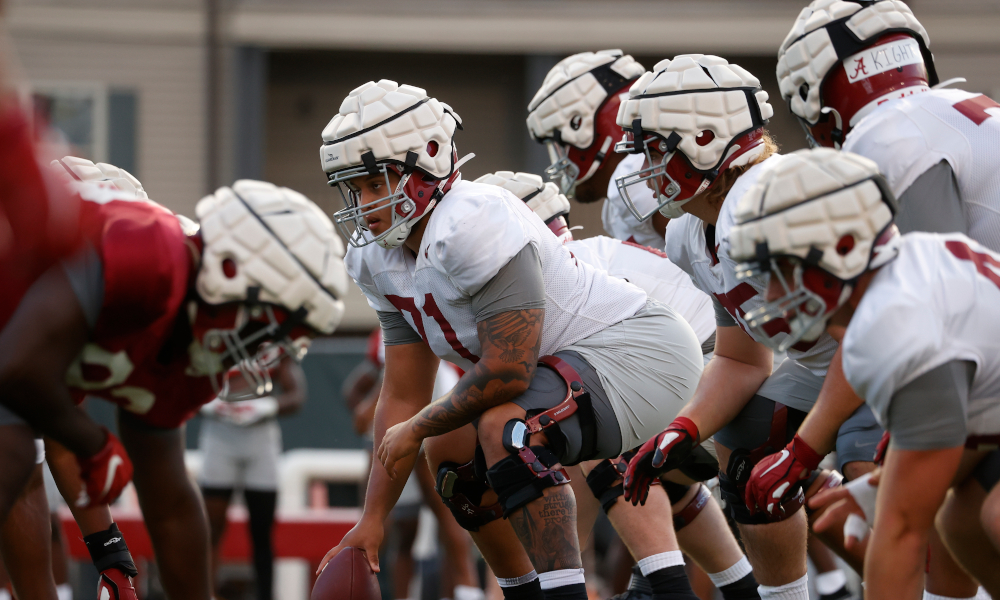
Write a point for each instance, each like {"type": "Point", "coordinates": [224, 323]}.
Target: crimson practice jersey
{"type": "Point", "coordinates": [138, 355]}
{"type": "Point", "coordinates": [938, 301]}
{"type": "Point", "coordinates": [618, 221]}
{"type": "Point", "coordinates": [652, 271]}
{"type": "Point", "coordinates": [714, 272]}
{"type": "Point", "coordinates": [471, 234]}
{"type": "Point", "coordinates": [39, 220]}
{"type": "Point", "coordinates": [910, 135]}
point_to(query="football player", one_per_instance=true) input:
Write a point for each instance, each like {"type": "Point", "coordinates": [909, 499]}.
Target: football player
{"type": "Point", "coordinates": [563, 364]}
{"type": "Point", "coordinates": [573, 114]}
{"type": "Point", "coordinates": [40, 226]}
{"type": "Point", "coordinates": [699, 122]}
{"type": "Point", "coordinates": [706, 539]}
{"type": "Point", "coordinates": [861, 76]}
{"type": "Point", "coordinates": [151, 314]}
{"type": "Point", "coordinates": [917, 321]}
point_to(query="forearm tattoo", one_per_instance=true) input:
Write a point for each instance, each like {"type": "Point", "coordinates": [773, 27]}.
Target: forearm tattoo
{"type": "Point", "coordinates": [510, 344]}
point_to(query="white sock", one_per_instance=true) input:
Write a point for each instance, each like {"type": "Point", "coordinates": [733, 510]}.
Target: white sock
{"type": "Point", "coordinates": [659, 561]}
{"type": "Point", "coordinates": [982, 594]}
{"type": "Point", "coordinates": [733, 574]}
{"type": "Point", "coordinates": [508, 582]}
{"type": "Point", "coordinates": [560, 577]}
{"type": "Point", "coordinates": [830, 582]}
{"type": "Point", "coordinates": [930, 596]}
{"type": "Point", "coordinates": [64, 591]}
{"type": "Point", "coordinates": [4, 594]}
{"type": "Point", "coordinates": [796, 590]}
{"type": "Point", "coordinates": [468, 592]}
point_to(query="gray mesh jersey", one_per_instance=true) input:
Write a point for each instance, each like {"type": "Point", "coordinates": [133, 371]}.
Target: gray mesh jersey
{"type": "Point", "coordinates": [950, 285]}
{"type": "Point", "coordinates": [908, 136]}
{"type": "Point", "coordinates": [471, 234]}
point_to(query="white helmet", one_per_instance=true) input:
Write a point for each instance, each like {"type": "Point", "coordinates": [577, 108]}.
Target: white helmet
{"type": "Point", "coordinates": [831, 214]}
{"type": "Point", "coordinates": [703, 115]}
{"type": "Point", "coordinates": [266, 248]}
{"type": "Point", "coordinates": [574, 111]}
{"type": "Point", "coordinates": [76, 171]}
{"type": "Point", "coordinates": [543, 198]}
{"type": "Point", "coordinates": [102, 182]}
{"type": "Point", "coordinates": [828, 33]}
{"type": "Point", "coordinates": [386, 126]}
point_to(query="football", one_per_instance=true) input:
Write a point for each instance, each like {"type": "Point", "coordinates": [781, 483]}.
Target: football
{"type": "Point", "coordinates": [347, 577]}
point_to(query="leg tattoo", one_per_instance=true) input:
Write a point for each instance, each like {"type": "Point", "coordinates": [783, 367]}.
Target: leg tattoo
{"type": "Point", "coordinates": [547, 530]}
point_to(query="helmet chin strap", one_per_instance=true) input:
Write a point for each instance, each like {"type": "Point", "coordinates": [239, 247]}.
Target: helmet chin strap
{"type": "Point", "coordinates": [403, 230]}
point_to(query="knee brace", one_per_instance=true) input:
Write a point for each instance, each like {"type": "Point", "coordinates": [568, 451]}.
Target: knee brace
{"type": "Point", "coordinates": [733, 483]}
{"type": "Point", "coordinates": [605, 480]}
{"type": "Point", "coordinates": [700, 465]}
{"type": "Point", "coordinates": [693, 508]}
{"type": "Point", "coordinates": [462, 489]}
{"type": "Point", "coordinates": [524, 476]}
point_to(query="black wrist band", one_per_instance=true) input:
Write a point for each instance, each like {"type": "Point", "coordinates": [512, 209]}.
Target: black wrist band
{"type": "Point", "coordinates": [108, 549]}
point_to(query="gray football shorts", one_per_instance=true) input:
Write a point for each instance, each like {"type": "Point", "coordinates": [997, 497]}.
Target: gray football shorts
{"type": "Point", "coordinates": [548, 389]}
{"type": "Point", "coordinates": [240, 457]}
{"type": "Point", "coordinates": [858, 437]}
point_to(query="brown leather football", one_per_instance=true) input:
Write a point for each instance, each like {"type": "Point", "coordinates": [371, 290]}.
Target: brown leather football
{"type": "Point", "coordinates": [347, 577]}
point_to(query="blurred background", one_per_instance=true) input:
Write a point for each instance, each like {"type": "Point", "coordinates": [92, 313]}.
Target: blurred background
{"type": "Point", "coordinates": [189, 95]}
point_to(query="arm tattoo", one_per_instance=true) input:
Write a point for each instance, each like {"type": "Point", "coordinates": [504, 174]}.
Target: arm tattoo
{"type": "Point", "coordinates": [510, 345]}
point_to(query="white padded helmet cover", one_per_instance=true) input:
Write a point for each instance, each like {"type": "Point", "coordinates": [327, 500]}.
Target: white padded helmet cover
{"type": "Point", "coordinates": [76, 171]}
{"type": "Point", "coordinates": [296, 260]}
{"type": "Point", "coordinates": [807, 54]}
{"type": "Point", "coordinates": [547, 202]}
{"type": "Point", "coordinates": [813, 198]}
{"type": "Point", "coordinates": [571, 95]}
{"type": "Point", "coordinates": [390, 120]}
{"type": "Point", "coordinates": [694, 104]}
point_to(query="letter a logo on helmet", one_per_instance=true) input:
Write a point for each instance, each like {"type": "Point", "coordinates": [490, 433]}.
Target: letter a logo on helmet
{"type": "Point", "coordinates": [383, 127]}
{"type": "Point", "coordinates": [842, 59]}
{"type": "Point", "coordinates": [573, 113]}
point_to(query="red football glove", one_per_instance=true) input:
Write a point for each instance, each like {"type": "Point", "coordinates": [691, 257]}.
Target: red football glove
{"type": "Point", "coordinates": [104, 474]}
{"type": "Point", "coordinates": [775, 482]}
{"type": "Point", "coordinates": [115, 585]}
{"type": "Point", "coordinates": [663, 453]}
{"type": "Point", "coordinates": [881, 449]}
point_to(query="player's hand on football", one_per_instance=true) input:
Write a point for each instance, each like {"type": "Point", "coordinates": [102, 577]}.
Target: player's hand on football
{"type": "Point", "coordinates": [663, 453]}
{"type": "Point", "coordinates": [367, 535]}
{"type": "Point", "coordinates": [775, 485]}
{"type": "Point", "coordinates": [851, 506]}
{"type": "Point", "coordinates": [399, 442]}
{"type": "Point", "coordinates": [104, 474]}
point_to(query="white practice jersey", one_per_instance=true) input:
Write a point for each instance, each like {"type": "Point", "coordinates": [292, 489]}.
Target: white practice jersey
{"type": "Point", "coordinates": [618, 220]}
{"type": "Point", "coordinates": [471, 234]}
{"type": "Point", "coordinates": [937, 302]}
{"type": "Point", "coordinates": [716, 275]}
{"type": "Point", "coordinates": [910, 135]}
{"type": "Point", "coordinates": [652, 271]}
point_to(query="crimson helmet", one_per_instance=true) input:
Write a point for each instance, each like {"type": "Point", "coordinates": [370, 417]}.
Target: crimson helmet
{"type": "Point", "coordinates": [844, 58]}
{"type": "Point", "coordinates": [383, 127]}
{"type": "Point", "coordinates": [703, 115]}
{"type": "Point", "coordinates": [574, 111]}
